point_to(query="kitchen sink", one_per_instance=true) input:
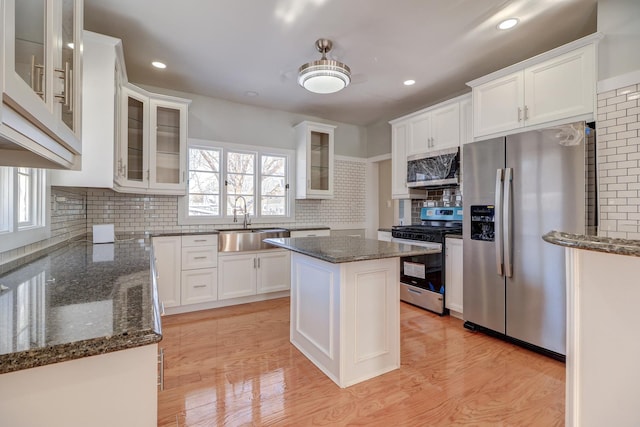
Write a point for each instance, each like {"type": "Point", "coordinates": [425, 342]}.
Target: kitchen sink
{"type": "Point", "coordinates": [248, 239]}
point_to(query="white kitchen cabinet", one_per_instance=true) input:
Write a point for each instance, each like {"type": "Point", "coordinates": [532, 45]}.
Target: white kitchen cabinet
{"type": "Point", "coordinates": [435, 129]}
{"type": "Point", "coordinates": [200, 285]}
{"type": "Point", "coordinates": [399, 139]}
{"type": "Point", "coordinates": [151, 151]}
{"type": "Point", "coordinates": [385, 236]}
{"type": "Point", "coordinates": [310, 233]}
{"type": "Point", "coordinates": [273, 271]}
{"type": "Point", "coordinates": [453, 276]}
{"type": "Point", "coordinates": [41, 87]}
{"type": "Point", "coordinates": [559, 87]}
{"type": "Point", "coordinates": [243, 274]}
{"type": "Point", "coordinates": [314, 160]}
{"type": "Point", "coordinates": [167, 251]}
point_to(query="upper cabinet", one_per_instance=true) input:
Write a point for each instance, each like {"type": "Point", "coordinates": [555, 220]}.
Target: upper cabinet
{"type": "Point", "coordinates": [435, 129]}
{"type": "Point", "coordinates": [314, 160]}
{"type": "Point", "coordinates": [438, 127]}
{"type": "Point", "coordinates": [134, 140]}
{"type": "Point", "coordinates": [557, 85]}
{"type": "Point", "coordinates": [41, 88]}
{"type": "Point", "coordinates": [151, 152]}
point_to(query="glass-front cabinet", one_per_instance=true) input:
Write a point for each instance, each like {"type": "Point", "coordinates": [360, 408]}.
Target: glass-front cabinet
{"type": "Point", "coordinates": [314, 160]}
{"type": "Point", "coordinates": [151, 154]}
{"type": "Point", "coordinates": [42, 42]}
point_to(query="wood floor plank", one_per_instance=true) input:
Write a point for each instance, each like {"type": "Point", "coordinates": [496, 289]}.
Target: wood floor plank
{"type": "Point", "coordinates": [235, 366]}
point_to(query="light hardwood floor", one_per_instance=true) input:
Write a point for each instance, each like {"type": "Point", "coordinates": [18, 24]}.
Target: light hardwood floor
{"type": "Point", "coordinates": [234, 366]}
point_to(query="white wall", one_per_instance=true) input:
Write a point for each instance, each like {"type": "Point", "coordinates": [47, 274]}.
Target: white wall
{"type": "Point", "coordinates": [220, 120]}
{"type": "Point", "coordinates": [619, 51]}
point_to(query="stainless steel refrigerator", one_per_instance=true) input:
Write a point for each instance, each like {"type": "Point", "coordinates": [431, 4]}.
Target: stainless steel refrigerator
{"type": "Point", "coordinates": [517, 188]}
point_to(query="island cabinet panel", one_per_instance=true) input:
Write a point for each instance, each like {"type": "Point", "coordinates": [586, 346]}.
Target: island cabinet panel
{"type": "Point", "coordinates": [345, 317]}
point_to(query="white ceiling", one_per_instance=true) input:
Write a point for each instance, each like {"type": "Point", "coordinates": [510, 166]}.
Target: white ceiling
{"type": "Point", "coordinates": [225, 48]}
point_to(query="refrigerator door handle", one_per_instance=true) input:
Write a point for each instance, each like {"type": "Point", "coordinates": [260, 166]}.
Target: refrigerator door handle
{"type": "Point", "coordinates": [508, 222]}
{"type": "Point", "coordinates": [498, 222]}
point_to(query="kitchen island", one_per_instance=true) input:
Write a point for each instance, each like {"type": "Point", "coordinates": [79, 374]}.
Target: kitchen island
{"type": "Point", "coordinates": [345, 304]}
{"type": "Point", "coordinates": [603, 290]}
{"type": "Point", "coordinates": [79, 333]}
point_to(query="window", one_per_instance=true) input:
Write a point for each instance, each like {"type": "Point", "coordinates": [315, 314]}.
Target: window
{"type": "Point", "coordinates": [23, 207]}
{"type": "Point", "coordinates": [226, 179]}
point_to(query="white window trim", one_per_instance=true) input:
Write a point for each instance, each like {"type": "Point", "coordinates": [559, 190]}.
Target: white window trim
{"type": "Point", "coordinates": [16, 237]}
{"type": "Point", "coordinates": [184, 219]}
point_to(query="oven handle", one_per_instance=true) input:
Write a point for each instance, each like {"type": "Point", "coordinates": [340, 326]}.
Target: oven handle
{"type": "Point", "coordinates": [414, 291]}
{"type": "Point", "coordinates": [497, 209]}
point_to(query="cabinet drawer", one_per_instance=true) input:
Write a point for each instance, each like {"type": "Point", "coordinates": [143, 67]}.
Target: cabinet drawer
{"type": "Point", "coordinates": [199, 286]}
{"type": "Point", "coordinates": [310, 233]}
{"type": "Point", "coordinates": [199, 257]}
{"type": "Point", "coordinates": [200, 240]}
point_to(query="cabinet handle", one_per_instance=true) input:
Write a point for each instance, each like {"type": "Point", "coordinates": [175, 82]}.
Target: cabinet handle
{"type": "Point", "coordinates": [258, 262]}
{"type": "Point", "coordinates": [161, 369]}
{"type": "Point", "coordinates": [254, 263]}
{"type": "Point", "coordinates": [65, 96]}
{"type": "Point", "coordinates": [148, 174]}
{"type": "Point", "coordinates": [37, 74]}
{"type": "Point", "coordinates": [200, 257]}
{"type": "Point", "coordinates": [200, 286]}
{"type": "Point", "coordinates": [519, 114]}
{"type": "Point", "coordinates": [200, 240]}
{"type": "Point", "coordinates": [526, 112]}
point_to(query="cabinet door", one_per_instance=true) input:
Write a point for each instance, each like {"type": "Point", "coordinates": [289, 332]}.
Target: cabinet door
{"type": "Point", "coordinates": [466, 121]}
{"type": "Point", "coordinates": [167, 145]}
{"type": "Point", "coordinates": [453, 274]}
{"type": "Point", "coordinates": [385, 236]}
{"type": "Point", "coordinates": [274, 271]}
{"type": "Point", "coordinates": [445, 127]}
{"type": "Point", "coordinates": [134, 140]}
{"type": "Point", "coordinates": [561, 87]}
{"type": "Point", "coordinates": [199, 257]}
{"type": "Point", "coordinates": [419, 140]}
{"type": "Point", "coordinates": [167, 252]}
{"type": "Point", "coordinates": [199, 286]}
{"type": "Point", "coordinates": [236, 275]}
{"type": "Point", "coordinates": [498, 105]}
{"type": "Point", "coordinates": [399, 135]}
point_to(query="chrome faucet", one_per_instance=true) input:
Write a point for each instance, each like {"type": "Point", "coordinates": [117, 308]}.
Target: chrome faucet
{"type": "Point", "coordinates": [246, 221]}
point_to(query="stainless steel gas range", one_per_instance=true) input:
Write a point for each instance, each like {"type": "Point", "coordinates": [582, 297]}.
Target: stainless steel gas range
{"type": "Point", "coordinates": [422, 277]}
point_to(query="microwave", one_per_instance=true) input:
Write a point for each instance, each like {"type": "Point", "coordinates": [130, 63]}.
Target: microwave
{"type": "Point", "coordinates": [434, 169]}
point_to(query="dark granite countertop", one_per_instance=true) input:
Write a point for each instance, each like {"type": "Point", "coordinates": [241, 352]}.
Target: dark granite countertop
{"type": "Point", "coordinates": [594, 243]}
{"type": "Point", "coordinates": [79, 300]}
{"type": "Point", "coordinates": [306, 227]}
{"type": "Point", "coordinates": [339, 249]}
{"type": "Point", "coordinates": [184, 233]}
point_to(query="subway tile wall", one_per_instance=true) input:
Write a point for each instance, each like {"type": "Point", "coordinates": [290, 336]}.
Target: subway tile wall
{"type": "Point", "coordinates": [441, 197]}
{"type": "Point", "coordinates": [68, 222]}
{"type": "Point", "coordinates": [618, 154]}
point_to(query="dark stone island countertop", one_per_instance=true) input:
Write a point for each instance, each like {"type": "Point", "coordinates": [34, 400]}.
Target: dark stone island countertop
{"type": "Point", "coordinates": [339, 249]}
{"type": "Point", "coordinates": [594, 243]}
{"type": "Point", "coordinates": [79, 300]}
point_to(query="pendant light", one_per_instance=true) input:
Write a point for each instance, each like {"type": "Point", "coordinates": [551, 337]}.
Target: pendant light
{"type": "Point", "coordinates": [324, 75]}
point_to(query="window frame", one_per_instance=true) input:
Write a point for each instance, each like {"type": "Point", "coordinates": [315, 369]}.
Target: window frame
{"type": "Point", "coordinates": [15, 234]}
{"type": "Point", "coordinates": [257, 218]}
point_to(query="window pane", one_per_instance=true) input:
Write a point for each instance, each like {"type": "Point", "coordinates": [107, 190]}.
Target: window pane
{"type": "Point", "coordinates": [272, 186]}
{"type": "Point", "coordinates": [204, 183]}
{"type": "Point", "coordinates": [240, 162]}
{"type": "Point", "coordinates": [273, 206]}
{"type": "Point", "coordinates": [204, 160]}
{"type": "Point", "coordinates": [238, 203]}
{"type": "Point", "coordinates": [4, 198]}
{"type": "Point", "coordinates": [24, 196]}
{"type": "Point", "coordinates": [273, 165]}
{"type": "Point", "coordinates": [240, 184]}
{"type": "Point", "coordinates": [204, 204]}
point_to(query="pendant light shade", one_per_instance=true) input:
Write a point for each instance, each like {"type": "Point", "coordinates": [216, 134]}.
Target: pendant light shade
{"type": "Point", "coordinates": [324, 75]}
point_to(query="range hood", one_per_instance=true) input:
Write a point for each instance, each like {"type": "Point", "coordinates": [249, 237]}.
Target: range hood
{"type": "Point", "coordinates": [434, 169]}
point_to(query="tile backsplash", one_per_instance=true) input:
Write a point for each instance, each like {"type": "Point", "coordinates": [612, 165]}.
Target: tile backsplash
{"type": "Point", "coordinates": [74, 211]}
{"type": "Point", "coordinates": [441, 197]}
{"type": "Point", "coordinates": [618, 161]}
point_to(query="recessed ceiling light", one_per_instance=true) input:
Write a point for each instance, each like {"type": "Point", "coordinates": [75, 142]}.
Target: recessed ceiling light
{"type": "Point", "coordinates": [159, 64]}
{"type": "Point", "coordinates": [251, 93]}
{"type": "Point", "coordinates": [508, 23]}
{"type": "Point", "coordinates": [409, 82]}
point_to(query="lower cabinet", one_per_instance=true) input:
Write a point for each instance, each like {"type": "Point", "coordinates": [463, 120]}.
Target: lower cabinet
{"type": "Point", "coordinates": [199, 285]}
{"type": "Point", "coordinates": [453, 276]}
{"type": "Point", "coordinates": [250, 273]}
{"type": "Point", "coordinates": [167, 252]}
